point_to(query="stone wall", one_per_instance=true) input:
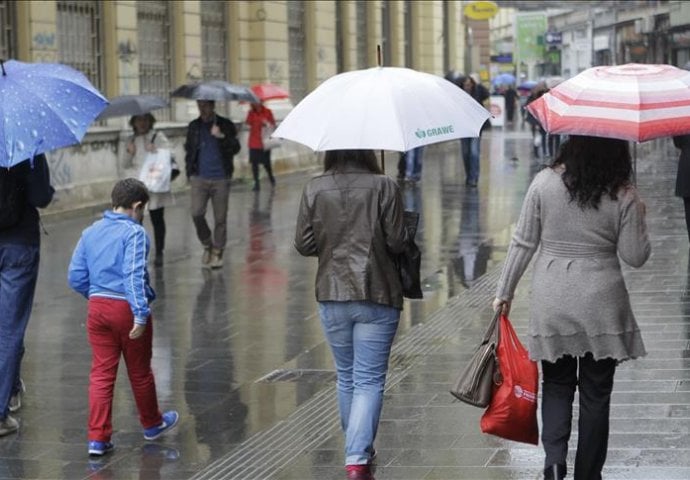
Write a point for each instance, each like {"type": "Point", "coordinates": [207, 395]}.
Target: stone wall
{"type": "Point", "coordinates": [83, 175]}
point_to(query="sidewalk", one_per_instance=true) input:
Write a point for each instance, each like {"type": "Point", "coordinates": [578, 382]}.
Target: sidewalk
{"type": "Point", "coordinates": [241, 354]}
{"type": "Point", "coordinates": [426, 434]}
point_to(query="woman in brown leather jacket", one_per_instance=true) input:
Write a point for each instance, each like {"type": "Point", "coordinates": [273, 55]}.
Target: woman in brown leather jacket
{"type": "Point", "coordinates": [351, 218]}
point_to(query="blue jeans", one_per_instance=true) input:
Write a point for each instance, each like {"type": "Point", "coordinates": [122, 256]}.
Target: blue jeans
{"type": "Point", "coordinates": [413, 167]}
{"type": "Point", "coordinates": [360, 335]}
{"type": "Point", "coordinates": [18, 274]}
{"type": "Point", "coordinates": [470, 157]}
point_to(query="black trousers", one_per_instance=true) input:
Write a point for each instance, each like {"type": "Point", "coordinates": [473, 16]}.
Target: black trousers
{"type": "Point", "coordinates": [261, 157]}
{"type": "Point", "coordinates": [158, 222]}
{"type": "Point", "coordinates": [595, 383]}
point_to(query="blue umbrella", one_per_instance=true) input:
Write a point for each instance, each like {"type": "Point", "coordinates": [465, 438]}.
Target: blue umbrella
{"type": "Point", "coordinates": [527, 85]}
{"type": "Point", "coordinates": [43, 106]}
{"type": "Point", "coordinates": [504, 79]}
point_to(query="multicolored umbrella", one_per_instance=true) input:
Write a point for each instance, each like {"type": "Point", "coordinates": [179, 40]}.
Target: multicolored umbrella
{"type": "Point", "coordinates": [43, 106]}
{"type": "Point", "coordinates": [269, 91]}
{"type": "Point", "coordinates": [633, 102]}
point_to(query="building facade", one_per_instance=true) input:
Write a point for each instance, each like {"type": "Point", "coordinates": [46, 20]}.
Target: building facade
{"type": "Point", "coordinates": [130, 47]}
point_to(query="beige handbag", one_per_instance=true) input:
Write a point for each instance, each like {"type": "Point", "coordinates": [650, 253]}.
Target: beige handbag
{"type": "Point", "coordinates": [475, 383]}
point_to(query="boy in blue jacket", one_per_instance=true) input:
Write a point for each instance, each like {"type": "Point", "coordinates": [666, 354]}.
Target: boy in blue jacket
{"type": "Point", "coordinates": [108, 267]}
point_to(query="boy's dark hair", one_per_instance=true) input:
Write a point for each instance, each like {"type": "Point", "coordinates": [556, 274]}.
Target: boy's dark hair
{"type": "Point", "coordinates": [129, 191]}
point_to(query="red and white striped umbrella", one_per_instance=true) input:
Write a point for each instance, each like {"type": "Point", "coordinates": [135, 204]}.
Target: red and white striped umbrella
{"type": "Point", "coordinates": [633, 102]}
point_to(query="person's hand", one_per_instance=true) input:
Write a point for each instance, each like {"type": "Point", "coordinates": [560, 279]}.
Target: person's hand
{"type": "Point", "coordinates": [136, 331]}
{"type": "Point", "coordinates": [131, 148]}
{"type": "Point", "coordinates": [503, 305]}
{"type": "Point", "coordinates": [215, 131]}
{"type": "Point", "coordinates": [150, 147]}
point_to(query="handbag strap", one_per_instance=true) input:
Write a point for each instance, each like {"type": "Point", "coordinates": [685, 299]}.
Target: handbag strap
{"type": "Point", "coordinates": [492, 330]}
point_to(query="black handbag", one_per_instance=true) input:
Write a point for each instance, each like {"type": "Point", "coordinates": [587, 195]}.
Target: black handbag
{"type": "Point", "coordinates": [475, 383]}
{"type": "Point", "coordinates": [409, 261]}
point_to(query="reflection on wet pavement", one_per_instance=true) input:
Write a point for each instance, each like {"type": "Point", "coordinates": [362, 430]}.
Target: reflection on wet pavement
{"type": "Point", "coordinates": [220, 336]}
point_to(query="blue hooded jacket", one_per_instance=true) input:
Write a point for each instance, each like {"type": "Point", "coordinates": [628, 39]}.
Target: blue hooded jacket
{"type": "Point", "coordinates": [110, 261]}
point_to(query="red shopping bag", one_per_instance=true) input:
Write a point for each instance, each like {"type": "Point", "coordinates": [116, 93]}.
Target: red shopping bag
{"type": "Point", "coordinates": [512, 413]}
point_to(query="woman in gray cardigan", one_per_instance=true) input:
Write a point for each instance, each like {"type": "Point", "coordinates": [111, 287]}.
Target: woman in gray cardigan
{"type": "Point", "coordinates": [584, 216]}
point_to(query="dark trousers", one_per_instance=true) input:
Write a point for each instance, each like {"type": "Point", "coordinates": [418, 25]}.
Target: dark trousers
{"type": "Point", "coordinates": [217, 190]}
{"type": "Point", "coordinates": [258, 157]}
{"type": "Point", "coordinates": [158, 222]}
{"type": "Point", "coordinates": [686, 203]}
{"type": "Point", "coordinates": [595, 383]}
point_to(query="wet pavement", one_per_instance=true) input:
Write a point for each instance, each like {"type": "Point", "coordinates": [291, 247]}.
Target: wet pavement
{"type": "Point", "coordinates": [239, 352]}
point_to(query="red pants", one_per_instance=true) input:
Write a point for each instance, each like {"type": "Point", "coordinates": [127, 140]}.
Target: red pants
{"type": "Point", "coordinates": [108, 324]}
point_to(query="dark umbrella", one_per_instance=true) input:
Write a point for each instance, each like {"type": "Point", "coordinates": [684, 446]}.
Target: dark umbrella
{"type": "Point", "coordinates": [128, 105]}
{"type": "Point", "coordinates": [217, 90]}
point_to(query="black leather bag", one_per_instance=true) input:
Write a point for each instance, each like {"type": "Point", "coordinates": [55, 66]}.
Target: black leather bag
{"type": "Point", "coordinates": [410, 260]}
{"type": "Point", "coordinates": [475, 383]}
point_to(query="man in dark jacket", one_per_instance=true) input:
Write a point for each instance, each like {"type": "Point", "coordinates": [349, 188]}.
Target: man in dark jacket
{"type": "Point", "coordinates": [19, 256]}
{"type": "Point", "coordinates": [210, 147]}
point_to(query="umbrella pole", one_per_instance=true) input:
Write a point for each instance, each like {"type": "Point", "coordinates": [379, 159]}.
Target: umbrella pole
{"type": "Point", "coordinates": [379, 61]}
{"type": "Point", "coordinates": [634, 163]}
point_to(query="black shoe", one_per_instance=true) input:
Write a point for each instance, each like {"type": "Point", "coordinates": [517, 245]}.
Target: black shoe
{"type": "Point", "coordinates": [556, 471]}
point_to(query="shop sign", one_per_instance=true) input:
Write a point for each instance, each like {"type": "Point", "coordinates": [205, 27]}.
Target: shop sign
{"type": "Point", "coordinates": [481, 10]}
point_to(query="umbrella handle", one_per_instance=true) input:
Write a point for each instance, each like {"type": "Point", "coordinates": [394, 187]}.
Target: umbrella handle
{"type": "Point", "coordinates": [378, 55]}
{"type": "Point", "coordinates": [2, 65]}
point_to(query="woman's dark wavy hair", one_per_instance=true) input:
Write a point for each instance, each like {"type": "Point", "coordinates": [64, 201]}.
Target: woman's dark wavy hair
{"type": "Point", "coordinates": [337, 160]}
{"type": "Point", "coordinates": [147, 116]}
{"type": "Point", "coordinates": [594, 166]}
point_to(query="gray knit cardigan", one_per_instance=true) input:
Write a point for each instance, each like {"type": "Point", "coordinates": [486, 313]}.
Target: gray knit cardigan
{"type": "Point", "coordinates": [579, 302]}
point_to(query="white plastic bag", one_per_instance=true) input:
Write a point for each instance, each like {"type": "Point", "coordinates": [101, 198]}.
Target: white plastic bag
{"type": "Point", "coordinates": [156, 170]}
{"type": "Point", "coordinates": [266, 140]}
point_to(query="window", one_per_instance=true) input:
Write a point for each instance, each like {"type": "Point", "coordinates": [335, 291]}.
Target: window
{"type": "Point", "coordinates": [155, 64]}
{"type": "Point", "coordinates": [296, 47]}
{"type": "Point", "coordinates": [79, 38]}
{"type": "Point", "coordinates": [6, 30]}
{"type": "Point", "coordinates": [214, 51]}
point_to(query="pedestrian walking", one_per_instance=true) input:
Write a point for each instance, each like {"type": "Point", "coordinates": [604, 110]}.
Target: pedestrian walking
{"type": "Point", "coordinates": [258, 118]}
{"type": "Point", "coordinates": [583, 214]}
{"type": "Point", "coordinates": [351, 218]}
{"type": "Point", "coordinates": [413, 165]}
{"type": "Point", "coordinates": [108, 267]}
{"type": "Point", "coordinates": [510, 95]}
{"type": "Point", "coordinates": [143, 141]}
{"type": "Point", "coordinates": [682, 142]}
{"type": "Point", "coordinates": [210, 147]}
{"type": "Point", "coordinates": [539, 141]}
{"type": "Point", "coordinates": [470, 147]}
{"type": "Point", "coordinates": [24, 188]}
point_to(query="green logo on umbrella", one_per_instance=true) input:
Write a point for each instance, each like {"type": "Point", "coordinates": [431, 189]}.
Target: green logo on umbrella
{"type": "Point", "coordinates": [435, 131]}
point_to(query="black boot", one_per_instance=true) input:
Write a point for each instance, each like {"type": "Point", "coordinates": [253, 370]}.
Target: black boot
{"type": "Point", "coordinates": [555, 472]}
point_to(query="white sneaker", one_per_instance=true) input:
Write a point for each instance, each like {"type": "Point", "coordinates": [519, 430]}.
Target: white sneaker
{"type": "Point", "coordinates": [216, 258]}
{"type": "Point", "coordinates": [206, 258]}
{"type": "Point", "coordinates": [8, 425]}
{"type": "Point", "coordinates": [16, 399]}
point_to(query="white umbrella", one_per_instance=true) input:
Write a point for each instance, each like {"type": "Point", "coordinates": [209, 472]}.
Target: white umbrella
{"type": "Point", "coordinates": [386, 108]}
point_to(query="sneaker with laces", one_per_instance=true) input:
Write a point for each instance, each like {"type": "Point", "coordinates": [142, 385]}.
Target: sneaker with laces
{"type": "Point", "coordinates": [170, 419]}
{"type": "Point", "coordinates": [98, 449]}
{"type": "Point", "coordinates": [16, 398]}
{"type": "Point", "coordinates": [8, 425]}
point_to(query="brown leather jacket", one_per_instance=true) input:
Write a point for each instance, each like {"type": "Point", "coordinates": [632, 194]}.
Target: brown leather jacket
{"type": "Point", "coordinates": [353, 222]}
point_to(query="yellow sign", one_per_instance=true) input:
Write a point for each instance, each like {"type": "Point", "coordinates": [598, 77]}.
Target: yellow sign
{"type": "Point", "coordinates": [482, 10]}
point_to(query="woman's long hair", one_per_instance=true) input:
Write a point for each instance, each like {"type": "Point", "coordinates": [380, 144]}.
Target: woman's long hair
{"type": "Point", "coordinates": [594, 166]}
{"type": "Point", "coordinates": [337, 160]}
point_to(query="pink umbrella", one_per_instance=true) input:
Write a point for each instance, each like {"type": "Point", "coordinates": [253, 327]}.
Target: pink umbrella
{"type": "Point", "coordinates": [630, 102]}
{"type": "Point", "coordinates": [269, 91]}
